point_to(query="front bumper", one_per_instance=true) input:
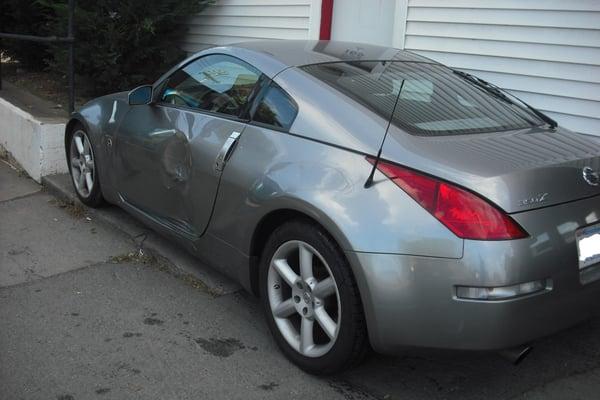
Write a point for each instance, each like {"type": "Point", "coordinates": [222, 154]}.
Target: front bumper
{"type": "Point", "coordinates": [411, 300]}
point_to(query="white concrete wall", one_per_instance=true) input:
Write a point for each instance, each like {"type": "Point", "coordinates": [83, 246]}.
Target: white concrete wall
{"type": "Point", "coordinates": [37, 145]}
{"type": "Point", "coordinates": [230, 21]}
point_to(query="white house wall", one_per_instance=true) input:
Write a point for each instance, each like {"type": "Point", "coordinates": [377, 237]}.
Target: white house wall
{"type": "Point", "coordinates": [230, 21]}
{"type": "Point", "coordinates": [363, 21]}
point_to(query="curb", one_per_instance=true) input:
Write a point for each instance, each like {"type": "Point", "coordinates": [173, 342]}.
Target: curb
{"type": "Point", "coordinates": [180, 262]}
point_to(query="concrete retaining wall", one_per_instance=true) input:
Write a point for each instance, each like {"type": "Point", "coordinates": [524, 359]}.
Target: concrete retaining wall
{"type": "Point", "coordinates": [36, 143]}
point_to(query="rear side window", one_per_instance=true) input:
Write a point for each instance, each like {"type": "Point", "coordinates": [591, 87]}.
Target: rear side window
{"type": "Point", "coordinates": [431, 99]}
{"type": "Point", "coordinates": [276, 108]}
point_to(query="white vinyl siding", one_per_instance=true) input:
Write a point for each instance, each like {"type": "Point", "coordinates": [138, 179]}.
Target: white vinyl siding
{"type": "Point", "coordinates": [230, 21]}
{"type": "Point", "coordinates": [547, 52]}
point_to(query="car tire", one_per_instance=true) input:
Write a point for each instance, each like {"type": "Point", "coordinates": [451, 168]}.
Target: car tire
{"type": "Point", "coordinates": [83, 168]}
{"type": "Point", "coordinates": [313, 299]}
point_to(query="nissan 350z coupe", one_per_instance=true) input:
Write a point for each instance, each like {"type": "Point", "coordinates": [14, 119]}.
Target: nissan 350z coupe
{"type": "Point", "coordinates": [369, 196]}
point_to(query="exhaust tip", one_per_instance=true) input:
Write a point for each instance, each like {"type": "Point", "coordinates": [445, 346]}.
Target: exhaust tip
{"type": "Point", "coordinates": [516, 354]}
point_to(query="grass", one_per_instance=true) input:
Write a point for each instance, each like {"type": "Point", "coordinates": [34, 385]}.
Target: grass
{"type": "Point", "coordinates": [74, 209]}
{"type": "Point", "coordinates": [7, 158]}
{"type": "Point", "coordinates": [151, 260]}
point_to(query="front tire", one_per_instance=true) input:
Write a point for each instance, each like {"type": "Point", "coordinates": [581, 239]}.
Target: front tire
{"type": "Point", "coordinates": [83, 168]}
{"type": "Point", "coordinates": [310, 299]}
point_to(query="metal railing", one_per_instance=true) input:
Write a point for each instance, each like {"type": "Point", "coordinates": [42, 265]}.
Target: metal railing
{"type": "Point", "coordinates": [69, 40]}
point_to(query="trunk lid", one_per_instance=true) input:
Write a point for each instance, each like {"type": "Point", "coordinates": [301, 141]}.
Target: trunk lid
{"type": "Point", "coordinates": [517, 170]}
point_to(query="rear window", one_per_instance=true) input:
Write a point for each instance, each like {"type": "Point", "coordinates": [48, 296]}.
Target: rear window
{"type": "Point", "coordinates": [432, 100]}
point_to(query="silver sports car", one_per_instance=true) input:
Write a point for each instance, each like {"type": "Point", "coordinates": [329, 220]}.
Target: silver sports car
{"type": "Point", "coordinates": [369, 196]}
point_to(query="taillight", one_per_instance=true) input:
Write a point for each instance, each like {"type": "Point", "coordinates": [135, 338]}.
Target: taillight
{"type": "Point", "coordinates": [467, 215]}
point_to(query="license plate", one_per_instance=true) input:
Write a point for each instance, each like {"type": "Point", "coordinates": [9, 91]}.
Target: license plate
{"type": "Point", "coordinates": [588, 245]}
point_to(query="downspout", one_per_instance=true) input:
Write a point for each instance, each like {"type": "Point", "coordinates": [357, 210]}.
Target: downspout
{"type": "Point", "coordinates": [326, 18]}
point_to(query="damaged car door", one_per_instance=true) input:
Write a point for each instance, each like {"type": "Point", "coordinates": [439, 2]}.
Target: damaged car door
{"type": "Point", "coordinates": [170, 154]}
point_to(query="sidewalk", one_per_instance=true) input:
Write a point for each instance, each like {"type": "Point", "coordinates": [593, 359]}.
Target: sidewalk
{"type": "Point", "coordinates": [145, 239]}
{"type": "Point", "coordinates": [84, 316]}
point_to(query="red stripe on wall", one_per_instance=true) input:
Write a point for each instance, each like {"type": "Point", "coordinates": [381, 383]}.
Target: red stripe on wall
{"type": "Point", "coordinates": [326, 17]}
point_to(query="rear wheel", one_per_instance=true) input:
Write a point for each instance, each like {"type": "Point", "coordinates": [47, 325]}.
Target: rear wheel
{"type": "Point", "coordinates": [82, 165]}
{"type": "Point", "coordinates": [311, 301]}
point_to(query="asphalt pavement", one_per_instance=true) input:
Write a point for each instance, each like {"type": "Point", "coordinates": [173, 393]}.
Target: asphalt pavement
{"type": "Point", "coordinates": [85, 315]}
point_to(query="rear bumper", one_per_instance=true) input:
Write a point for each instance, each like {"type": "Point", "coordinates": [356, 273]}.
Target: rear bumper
{"type": "Point", "coordinates": [411, 300]}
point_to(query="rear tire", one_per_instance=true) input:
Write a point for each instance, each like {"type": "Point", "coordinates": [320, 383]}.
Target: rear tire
{"type": "Point", "coordinates": [311, 300]}
{"type": "Point", "coordinates": [83, 168]}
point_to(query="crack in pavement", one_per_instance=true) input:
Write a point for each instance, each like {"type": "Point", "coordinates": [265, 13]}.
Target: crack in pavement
{"type": "Point", "coordinates": [21, 197]}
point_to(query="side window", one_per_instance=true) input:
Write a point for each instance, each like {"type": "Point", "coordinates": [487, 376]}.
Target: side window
{"type": "Point", "coordinates": [216, 83]}
{"type": "Point", "coordinates": [276, 108]}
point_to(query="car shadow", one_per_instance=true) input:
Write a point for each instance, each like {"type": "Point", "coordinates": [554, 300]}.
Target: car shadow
{"type": "Point", "coordinates": [438, 374]}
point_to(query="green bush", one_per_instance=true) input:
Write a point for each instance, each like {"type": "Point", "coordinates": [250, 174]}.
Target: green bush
{"type": "Point", "coordinates": [24, 17]}
{"type": "Point", "coordinates": [120, 43]}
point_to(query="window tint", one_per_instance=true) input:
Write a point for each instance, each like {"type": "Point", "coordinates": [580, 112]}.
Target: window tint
{"type": "Point", "coordinates": [215, 83]}
{"type": "Point", "coordinates": [414, 89]}
{"type": "Point", "coordinates": [432, 100]}
{"type": "Point", "coordinates": [276, 108]}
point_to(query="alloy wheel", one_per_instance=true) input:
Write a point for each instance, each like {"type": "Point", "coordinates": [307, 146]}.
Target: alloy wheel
{"type": "Point", "coordinates": [304, 298]}
{"type": "Point", "coordinates": [83, 168]}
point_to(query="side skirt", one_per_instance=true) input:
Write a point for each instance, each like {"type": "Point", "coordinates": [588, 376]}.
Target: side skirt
{"type": "Point", "coordinates": [208, 248]}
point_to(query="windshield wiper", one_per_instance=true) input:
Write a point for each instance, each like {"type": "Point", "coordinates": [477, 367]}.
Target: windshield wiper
{"type": "Point", "coordinates": [485, 85]}
{"type": "Point", "coordinates": [496, 91]}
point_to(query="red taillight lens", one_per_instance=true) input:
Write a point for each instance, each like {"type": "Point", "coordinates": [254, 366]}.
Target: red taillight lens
{"type": "Point", "coordinates": [464, 213]}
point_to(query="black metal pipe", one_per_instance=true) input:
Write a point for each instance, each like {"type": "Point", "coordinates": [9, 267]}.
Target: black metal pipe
{"type": "Point", "coordinates": [0, 64]}
{"type": "Point", "coordinates": [71, 72]}
{"type": "Point", "coordinates": [31, 38]}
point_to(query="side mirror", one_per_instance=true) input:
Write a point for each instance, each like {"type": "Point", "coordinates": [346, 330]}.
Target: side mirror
{"type": "Point", "coordinates": [140, 95]}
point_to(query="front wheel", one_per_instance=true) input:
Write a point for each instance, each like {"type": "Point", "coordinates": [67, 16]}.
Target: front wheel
{"type": "Point", "coordinates": [83, 169]}
{"type": "Point", "coordinates": [310, 299]}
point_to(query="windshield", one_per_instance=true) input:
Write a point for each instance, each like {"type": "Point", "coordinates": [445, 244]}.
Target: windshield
{"type": "Point", "coordinates": [431, 100]}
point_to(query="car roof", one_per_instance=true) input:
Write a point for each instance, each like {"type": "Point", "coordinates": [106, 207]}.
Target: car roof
{"type": "Point", "coordinates": [295, 53]}
{"type": "Point", "coordinates": [273, 56]}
